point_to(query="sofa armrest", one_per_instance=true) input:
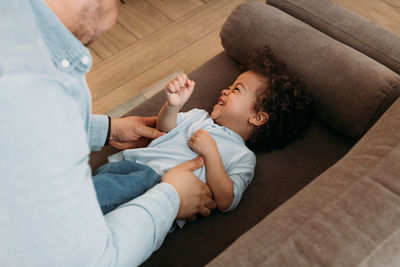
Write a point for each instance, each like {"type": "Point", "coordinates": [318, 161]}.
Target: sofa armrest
{"type": "Point", "coordinates": [350, 91]}
{"type": "Point", "coordinates": [346, 27]}
{"type": "Point", "coordinates": [348, 216]}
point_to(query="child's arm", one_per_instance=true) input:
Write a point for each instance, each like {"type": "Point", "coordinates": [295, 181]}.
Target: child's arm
{"type": "Point", "coordinates": [178, 92]}
{"type": "Point", "coordinates": [217, 178]}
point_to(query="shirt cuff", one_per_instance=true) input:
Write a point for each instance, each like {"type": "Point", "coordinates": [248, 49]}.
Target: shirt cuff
{"type": "Point", "coordinates": [162, 204]}
{"type": "Point", "coordinates": [98, 128]}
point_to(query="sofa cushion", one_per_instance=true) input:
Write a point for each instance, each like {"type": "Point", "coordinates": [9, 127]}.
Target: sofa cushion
{"type": "Point", "coordinates": [346, 27]}
{"type": "Point", "coordinates": [348, 216]}
{"type": "Point", "coordinates": [278, 175]}
{"type": "Point", "coordinates": [350, 91]}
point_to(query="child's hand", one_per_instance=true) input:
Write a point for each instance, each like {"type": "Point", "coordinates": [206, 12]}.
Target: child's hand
{"type": "Point", "coordinates": [179, 90]}
{"type": "Point", "coordinates": [202, 143]}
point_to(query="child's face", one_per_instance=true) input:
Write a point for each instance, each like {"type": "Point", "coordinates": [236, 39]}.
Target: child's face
{"type": "Point", "coordinates": [237, 104]}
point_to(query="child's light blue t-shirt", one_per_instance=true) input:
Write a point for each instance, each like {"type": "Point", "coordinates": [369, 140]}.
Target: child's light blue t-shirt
{"type": "Point", "coordinates": [172, 149]}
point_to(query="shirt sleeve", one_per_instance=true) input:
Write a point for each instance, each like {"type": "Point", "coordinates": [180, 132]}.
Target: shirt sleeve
{"type": "Point", "coordinates": [49, 181]}
{"type": "Point", "coordinates": [140, 226]}
{"type": "Point", "coordinates": [241, 176]}
{"type": "Point", "coordinates": [98, 128]}
{"type": "Point", "coordinates": [184, 115]}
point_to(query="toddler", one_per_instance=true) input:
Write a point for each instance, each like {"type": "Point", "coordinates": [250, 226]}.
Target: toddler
{"type": "Point", "coordinates": [265, 108]}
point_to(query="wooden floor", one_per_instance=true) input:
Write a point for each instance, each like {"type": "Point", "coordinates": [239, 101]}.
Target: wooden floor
{"type": "Point", "coordinates": [154, 38]}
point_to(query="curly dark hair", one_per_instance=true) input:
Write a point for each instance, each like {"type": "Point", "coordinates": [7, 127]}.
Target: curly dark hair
{"type": "Point", "coordinates": [283, 99]}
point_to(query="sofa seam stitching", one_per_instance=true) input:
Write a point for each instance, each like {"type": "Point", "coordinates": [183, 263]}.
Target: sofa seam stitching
{"type": "Point", "coordinates": [381, 244]}
{"type": "Point", "coordinates": [392, 92]}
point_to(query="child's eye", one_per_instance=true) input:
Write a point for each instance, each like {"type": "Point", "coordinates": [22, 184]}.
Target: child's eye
{"type": "Point", "coordinates": [236, 89]}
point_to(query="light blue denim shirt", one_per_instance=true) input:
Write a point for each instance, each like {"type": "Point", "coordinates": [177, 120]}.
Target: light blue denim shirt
{"type": "Point", "coordinates": [49, 215]}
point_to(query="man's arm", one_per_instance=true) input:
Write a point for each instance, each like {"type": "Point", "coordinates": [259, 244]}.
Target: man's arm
{"type": "Point", "coordinates": [178, 92]}
{"type": "Point", "coordinates": [52, 173]}
{"type": "Point", "coordinates": [123, 133]}
{"type": "Point", "coordinates": [219, 181]}
{"type": "Point", "coordinates": [142, 224]}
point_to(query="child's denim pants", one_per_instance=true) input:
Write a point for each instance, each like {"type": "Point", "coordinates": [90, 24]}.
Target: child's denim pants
{"type": "Point", "coordinates": [120, 182]}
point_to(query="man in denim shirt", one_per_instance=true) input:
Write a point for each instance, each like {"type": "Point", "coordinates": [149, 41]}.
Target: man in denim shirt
{"type": "Point", "coordinates": [49, 215]}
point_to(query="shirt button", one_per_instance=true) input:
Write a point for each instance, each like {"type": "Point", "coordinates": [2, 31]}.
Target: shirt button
{"type": "Point", "coordinates": [65, 63]}
{"type": "Point", "coordinates": [85, 60]}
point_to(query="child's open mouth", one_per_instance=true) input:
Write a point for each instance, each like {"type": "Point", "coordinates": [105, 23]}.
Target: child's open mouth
{"type": "Point", "coordinates": [221, 102]}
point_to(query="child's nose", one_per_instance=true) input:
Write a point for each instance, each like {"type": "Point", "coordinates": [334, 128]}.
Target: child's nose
{"type": "Point", "coordinates": [225, 92]}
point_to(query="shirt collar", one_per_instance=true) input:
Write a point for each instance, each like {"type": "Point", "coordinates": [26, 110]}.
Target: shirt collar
{"type": "Point", "coordinates": [232, 133]}
{"type": "Point", "coordinates": [66, 50]}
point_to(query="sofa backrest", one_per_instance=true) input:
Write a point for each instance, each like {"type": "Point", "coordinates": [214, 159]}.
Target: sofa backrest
{"type": "Point", "coordinates": [346, 27]}
{"type": "Point", "coordinates": [350, 91]}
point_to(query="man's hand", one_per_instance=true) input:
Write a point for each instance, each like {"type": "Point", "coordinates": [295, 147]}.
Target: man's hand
{"type": "Point", "coordinates": [133, 132]}
{"type": "Point", "coordinates": [202, 143]}
{"type": "Point", "coordinates": [179, 90]}
{"type": "Point", "coordinates": [195, 196]}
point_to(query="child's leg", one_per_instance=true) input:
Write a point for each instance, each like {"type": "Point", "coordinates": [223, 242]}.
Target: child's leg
{"type": "Point", "coordinates": [120, 167]}
{"type": "Point", "coordinates": [118, 182]}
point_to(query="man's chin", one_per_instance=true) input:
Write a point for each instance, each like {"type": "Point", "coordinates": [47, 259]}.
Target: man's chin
{"type": "Point", "coordinates": [88, 43]}
{"type": "Point", "coordinates": [90, 38]}
{"type": "Point", "coordinates": [85, 36]}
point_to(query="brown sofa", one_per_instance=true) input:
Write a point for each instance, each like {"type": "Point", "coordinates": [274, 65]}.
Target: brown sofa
{"type": "Point", "coordinates": [331, 198]}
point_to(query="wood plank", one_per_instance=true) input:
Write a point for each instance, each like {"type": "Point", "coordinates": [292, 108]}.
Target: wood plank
{"type": "Point", "coordinates": [116, 70]}
{"type": "Point", "coordinates": [176, 8]}
{"type": "Point", "coordinates": [138, 99]}
{"type": "Point", "coordinates": [113, 41]}
{"type": "Point", "coordinates": [187, 59]}
{"type": "Point", "coordinates": [141, 18]}
{"type": "Point", "coordinates": [135, 84]}
{"type": "Point", "coordinates": [385, 13]}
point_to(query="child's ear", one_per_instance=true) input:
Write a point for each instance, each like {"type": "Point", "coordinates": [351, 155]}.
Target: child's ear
{"type": "Point", "coordinates": [259, 118]}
